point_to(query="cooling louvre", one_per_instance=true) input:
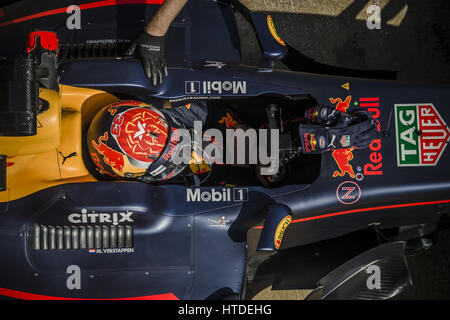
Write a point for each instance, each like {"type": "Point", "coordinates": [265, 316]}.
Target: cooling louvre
{"type": "Point", "coordinates": [92, 50]}
{"type": "Point", "coordinates": [45, 237]}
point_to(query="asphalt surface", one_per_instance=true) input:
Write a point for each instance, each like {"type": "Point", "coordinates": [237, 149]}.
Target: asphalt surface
{"type": "Point", "coordinates": [414, 41]}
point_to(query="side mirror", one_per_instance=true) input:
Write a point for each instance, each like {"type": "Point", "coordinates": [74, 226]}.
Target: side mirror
{"type": "Point", "coordinates": [271, 44]}
{"type": "Point", "coordinates": [278, 218]}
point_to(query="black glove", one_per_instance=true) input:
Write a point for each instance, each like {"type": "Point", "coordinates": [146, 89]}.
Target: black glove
{"type": "Point", "coordinates": [356, 130]}
{"type": "Point", "coordinates": [326, 116]}
{"type": "Point", "coordinates": [151, 51]}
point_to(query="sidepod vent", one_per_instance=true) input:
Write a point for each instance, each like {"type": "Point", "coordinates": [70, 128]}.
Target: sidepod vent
{"type": "Point", "coordinates": [45, 237]}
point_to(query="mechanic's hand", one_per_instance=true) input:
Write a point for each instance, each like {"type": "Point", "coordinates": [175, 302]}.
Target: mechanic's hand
{"type": "Point", "coordinates": [151, 51]}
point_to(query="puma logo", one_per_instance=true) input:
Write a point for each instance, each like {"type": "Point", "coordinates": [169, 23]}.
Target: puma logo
{"type": "Point", "coordinates": [332, 141]}
{"type": "Point", "coordinates": [73, 154]}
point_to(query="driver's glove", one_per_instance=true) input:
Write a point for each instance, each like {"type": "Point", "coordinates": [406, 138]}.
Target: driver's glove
{"type": "Point", "coordinates": [151, 52]}
{"type": "Point", "coordinates": [325, 116]}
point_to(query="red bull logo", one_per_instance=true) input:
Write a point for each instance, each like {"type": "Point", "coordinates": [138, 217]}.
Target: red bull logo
{"type": "Point", "coordinates": [375, 165]}
{"type": "Point", "coordinates": [313, 142]}
{"type": "Point", "coordinates": [110, 156]}
{"type": "Point", "coordinates": [198, 164]}
{"type": "Point", "coordinates": [312, 114]}
{"type": "Point", "coordinates": [310, 142]}
{"type": "Point", "coordinates": [341, 105]}
{"type": "Point", "coordinates": [228, 121]}
{"type": "Point", "coordinates": [126, 103]}
{"type": "Point", "coordinates": [343, 158]}
{"type": "Point", "coordinates": [307, 144]}
{"type": "Point", "coordinates": [112, 110]}
{"type": "Point", "coordinates": [172, 144]}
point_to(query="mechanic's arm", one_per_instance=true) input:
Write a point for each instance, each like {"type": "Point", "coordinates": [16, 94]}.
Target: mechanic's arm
{"type": "Point", "coordinates": [150, 43]}
{"type": "Point", "coordinates": [163, 18]}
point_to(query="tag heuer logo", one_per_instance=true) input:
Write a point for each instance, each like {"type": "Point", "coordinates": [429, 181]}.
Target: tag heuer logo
{"type": "Point", "coordinates": [421, 134]}
{"type": "Point", "coordinates": [345, 141]}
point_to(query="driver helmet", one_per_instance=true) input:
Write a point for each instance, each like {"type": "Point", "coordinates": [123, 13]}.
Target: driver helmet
{"type": "Point", "coordinates": [132, 139]}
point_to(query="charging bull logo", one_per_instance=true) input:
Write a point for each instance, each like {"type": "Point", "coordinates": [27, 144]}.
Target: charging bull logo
{"type": "Point", "coordinates": [110, 156]}
{"type": "Point", "coordinates": [313, 142]}
{"type": "Point", "coordinates": [343, 158]}
{"type": "Point", "coordinates": [307, 144]}
{"type": "Point", "coordinates": [341, 105]}
{"type": "Point", "coordinates": [141, 133]}
{"type": "Point", "coordinates": [100, 168]}
{"type": "Point", "coordinates": [198, 164]}
{"type": "Point", "coordinates": [310, 142]}
{"type": "Point", "coordinates": [112, 108]}
{"type": "Point", "coordinates": [228, 121]}
{"type": "Point", "coordinates": [312, 114]}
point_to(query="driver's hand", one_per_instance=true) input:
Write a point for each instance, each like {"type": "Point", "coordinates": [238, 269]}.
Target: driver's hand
{"type": "Point", "coordinates": [151, 52]}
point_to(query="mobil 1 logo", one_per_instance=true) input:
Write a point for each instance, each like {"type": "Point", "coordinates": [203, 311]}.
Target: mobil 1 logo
{"type": "Point", "coordinates": [215, 87]}
{"type": "Point", "coordinates": [421, 134]}
{"type": "Point", "coordinates": [217, 195]}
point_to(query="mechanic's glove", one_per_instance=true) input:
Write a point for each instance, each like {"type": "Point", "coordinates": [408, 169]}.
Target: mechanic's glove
{"type": "Point", "coordinates": [151, 51]}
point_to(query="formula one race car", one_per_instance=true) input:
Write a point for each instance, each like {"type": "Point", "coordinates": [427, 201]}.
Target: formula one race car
{"type": "Point", "coordinates": [337, 217]}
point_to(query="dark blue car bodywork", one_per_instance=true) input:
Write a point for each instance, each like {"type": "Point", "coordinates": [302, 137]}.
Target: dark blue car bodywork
{"type": "Point", "coordinates": [198, 250]}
